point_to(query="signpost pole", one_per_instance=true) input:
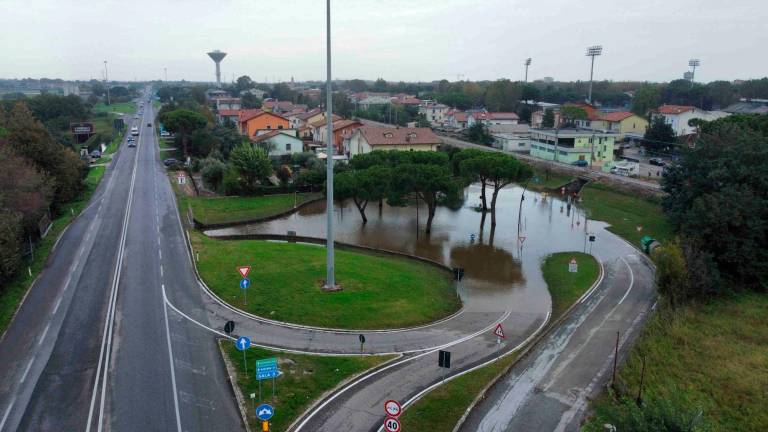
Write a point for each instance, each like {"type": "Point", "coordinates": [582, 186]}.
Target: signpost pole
{"type": "Point", "coordinates": [273, 390]}
{"type": "Point", "coordinates": [260, 391]}
{"type": "Point", "coordinates": [245, 363]}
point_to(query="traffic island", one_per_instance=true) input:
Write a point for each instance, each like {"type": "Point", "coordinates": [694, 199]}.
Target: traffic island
{"type": "Point", "coordinates": [302, 380]}
{"type": "Point", "coordinates": [381, 291]}
{"type": "Point", "coordinates": [443, 407]}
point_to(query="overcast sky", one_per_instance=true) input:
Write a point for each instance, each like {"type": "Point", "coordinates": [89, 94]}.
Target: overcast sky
{"type": "Point", "coordinates": [406, 40]}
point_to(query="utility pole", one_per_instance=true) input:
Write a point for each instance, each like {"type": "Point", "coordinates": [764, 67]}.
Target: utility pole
{"type": "Point", "coordinates": [592, 151]}
{"type": "Point", "coordinates": [593, 52]}
{"type": "Point", "coordinates": [166, 74]}
{"type": "Point", "coordinates": [106, 82]}
{"type": "Point", "coordinates": [693, 63]}
{"type": "Point", "coordinates": [527, 63]}
{"type": "Point", "coordinates": [330, 280]}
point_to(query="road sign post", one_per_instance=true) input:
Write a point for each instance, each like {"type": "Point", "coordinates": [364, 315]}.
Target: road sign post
{"type": "Point", "coordinates": [267, 369]}
{"type": "Point", "coordinates": [499, 333]}
{"type": "Point", "coordinates": [229, 327]}
{"type": "Point", "coordinates": [244, 284]}
{"type": "Point", "coordinates": [444, 361]}
{"type": "Point", "coordinates": [243, 343]}
{"type": "Point", "coordinates": [362, 343]}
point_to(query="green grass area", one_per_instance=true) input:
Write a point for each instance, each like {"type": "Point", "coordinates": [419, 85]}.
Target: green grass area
{"type": "Point", "coordinates": [304, 378]}
{"type": "Point", "coordinates": [543, 180]}
{"type": "Point", "coordinates": [625, 213]}
{"type": "Point", "coordinates": [234, 209]}
{"type": "Point", "coordinates": [712, 357]}
{"type": "Point", "coordinates": [14, 291]}
{"type": "Point", "coordinates": [441, 409]}
{"type": "Point", "coordinates": [115, 143]}
{"type": "Point", "coordinates": [566, 287]}
{"type": "Point", "coordinates": [287, 280]}
{"type": "Point", "coordinates": [120, 107]}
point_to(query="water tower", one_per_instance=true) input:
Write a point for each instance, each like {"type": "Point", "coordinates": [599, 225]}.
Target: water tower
{"type": "Point", "coordinates": [217, 56]}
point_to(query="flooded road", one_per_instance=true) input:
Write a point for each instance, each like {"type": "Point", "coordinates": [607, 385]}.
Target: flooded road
{"type": "Point", "coordinates": [500, 275]}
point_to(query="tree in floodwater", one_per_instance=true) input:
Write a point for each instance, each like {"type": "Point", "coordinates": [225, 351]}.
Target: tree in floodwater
{"type": "Point", "coordinates": [362, 186]}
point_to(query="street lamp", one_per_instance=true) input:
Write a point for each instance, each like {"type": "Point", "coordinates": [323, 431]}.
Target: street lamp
{"type": "Point", "coordinates": [527, 63]}
{"type": "Point", "coordinates": [330, 280]}
{"type": "Point", "coordinates": [593, 52]}
{"type": "Point", "coordinates": [106, 82]}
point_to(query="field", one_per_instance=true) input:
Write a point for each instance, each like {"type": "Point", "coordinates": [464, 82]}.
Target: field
{"type": "Point", "coordinates": [234, 209]}
{"type": "Point", "coordinates": [287, 280]}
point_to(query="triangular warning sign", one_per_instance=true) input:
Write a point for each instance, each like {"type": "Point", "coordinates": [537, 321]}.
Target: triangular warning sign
{"type": "Point", "coordinates": [244, 270]}
{"type": "Point", "coordinates": [499, 332]}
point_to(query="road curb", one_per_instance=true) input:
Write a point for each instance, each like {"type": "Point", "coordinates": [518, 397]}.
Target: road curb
{"type": "Point", "coordinates": [203, 226]}
{"type": "Point", "coordinates": [232, 375]}
{"type": "Point", "coordinates": [528, 348]}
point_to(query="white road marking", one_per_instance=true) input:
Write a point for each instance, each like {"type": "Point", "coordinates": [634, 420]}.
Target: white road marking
{"type": "Point", "coordinates": [160, 252]}
{"type": "Point", "coordinates": [106, 341]}
{"type": "Point", "coordinates": [7, 412]}
{"type": "Point", "coordinates": [161, 270]}
{"type": "Point", "coordinates": [170, 360]}
{"type": "Point", "coordinates": [56, 308]}
{"type": "Point", "coordinates": [45, 332]}
{"type": "Point", "coordinates": [26, 371]}
{"type": "Point", "coordinates": [631, 280]}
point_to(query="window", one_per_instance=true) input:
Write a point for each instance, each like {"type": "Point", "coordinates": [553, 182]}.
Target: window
{"type": "Point", "coordinates": [280, 126]}
{"type": "Point", "coordinates": [269, 126]}
{"type": "Point", "coordinates": [287, 147]}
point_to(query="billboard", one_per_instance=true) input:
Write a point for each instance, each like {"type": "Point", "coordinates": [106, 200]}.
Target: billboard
{"type": "Point", "coordinates": [81, 128]}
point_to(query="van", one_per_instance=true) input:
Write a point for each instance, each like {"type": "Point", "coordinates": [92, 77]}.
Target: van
{"type": "Point", "coordinates": [134, 131]}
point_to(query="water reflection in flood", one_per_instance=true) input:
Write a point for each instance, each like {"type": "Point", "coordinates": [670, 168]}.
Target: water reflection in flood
{"type": "Point", "coordinates": [499, 275]}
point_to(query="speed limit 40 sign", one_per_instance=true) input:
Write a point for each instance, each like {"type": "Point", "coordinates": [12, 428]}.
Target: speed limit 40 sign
{"type": "Point", "coordinates": [392, 425]}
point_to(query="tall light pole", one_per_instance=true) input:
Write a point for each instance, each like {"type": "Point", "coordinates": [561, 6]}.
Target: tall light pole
{"type": "Point", "coordinates": [527, 63]}
{"type": "Point", "coordinates": [330, 279]}
{"type": "Point", "coordinates": [106, 82]}
{"type": "Point", "coordinates": [693, 63]}
{"type": "Point", "coordinates": [593, 52]}
{"type": "Point", "coordinates": [166, 74]}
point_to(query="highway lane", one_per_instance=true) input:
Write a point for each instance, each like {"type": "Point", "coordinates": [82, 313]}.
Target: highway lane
{"type": "Point", "coordinates": [157, 371]}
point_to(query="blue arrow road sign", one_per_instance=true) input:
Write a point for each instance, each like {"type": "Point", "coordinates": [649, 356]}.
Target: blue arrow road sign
{"type": "Point", "coordinates": [265, 412]}
{"type": "Point", "coordinates": [243, 343]}
{"type": "Point", "coordinates": [245, 283]}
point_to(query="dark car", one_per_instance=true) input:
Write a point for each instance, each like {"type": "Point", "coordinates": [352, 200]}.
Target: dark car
{"type": "Point", "coordinates": [149, 124]}
{"type": "Point", "coordinates": [657, 162]}
{"type": "Point", "coordinates": [581, 163]}
{"type": "Point", "coordinates": [131, 143]}
{"type": "Point", "coordinates": [170, 162]}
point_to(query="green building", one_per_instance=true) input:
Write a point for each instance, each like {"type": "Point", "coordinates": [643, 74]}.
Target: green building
{"type": "Point", "coordinates": [573, 145]}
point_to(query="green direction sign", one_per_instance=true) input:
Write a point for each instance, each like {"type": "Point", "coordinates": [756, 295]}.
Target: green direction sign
{"type": "Point", "coordinates": [266, 368]}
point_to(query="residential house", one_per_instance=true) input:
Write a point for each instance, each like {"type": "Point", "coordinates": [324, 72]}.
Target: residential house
{"type": "Point", "coordinates": [678, 117]}
{"type": "Point", "coordinates": [279, 107]}
{"type": "Point", "coordinates": [456, 119]}
{"type": "Point", "coordinates": [537, 117]}
{"type": "Point", "coordinates": [342, 131]}
{"type": "Point", "coordinates": [573, 145]}
{"type": "Point", "coordinates": [515, 138]}
{"type": "Point", "coordinates": [434, 112]}
{"type": "Point", "coordinates": [256, 92]}
{"type": "Point", "coordinates": [299, 120]}
{"type": "Point", "coordinates": [224, 116]}
{"type": "Point", "coordinates": [279, 142]}
{"type": "Point", "coordinates": [369, 138]}
{"type": "Point", "coordinates": [366, 100]}
{"type": "Point", "coordinates": [213, 94]}
{"type": "Point", "coordinates": [625, 123]}
{"type": "Point", "coordinates": [404, 99]}
{"type": "Point", "coordinates": [315, 126]}
{"type": "Point", "coordinates": [251, 121]}
{"type": "Point", "coordinates": [228, 104]}
{"type": "Point", "coordinates": [492, 118]}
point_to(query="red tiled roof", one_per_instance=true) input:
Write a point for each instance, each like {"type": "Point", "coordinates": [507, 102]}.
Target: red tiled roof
{"type": "Point", "coordinates": [229, 112]}
{"type": "Point", "coordinates": [496, 116]}
{"type": "Point", "coordinates": [674, 109]}
{"type": "Point", "coordinates": [616, 116]}
{"type": "Point", "coordinates": [343, 124]}
{"type": "Point", "coordinates": [460, 116]}
{"type": "Point", "coordinates": [268, 135]}
{"type": "Point", "coordinates": [248, 114]}
{"type": "Point", "coordinates": [398, 136]}
{"type": "Point", "coordinates": [309, 113]}
{"type": "Point", "coordinates": [322, 121]}
{"type": "Point", "coordinates": [407, 100]}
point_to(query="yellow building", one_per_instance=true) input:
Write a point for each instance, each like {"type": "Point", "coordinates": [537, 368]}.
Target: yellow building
{"type": "Point", "coordinates": [623, 123]}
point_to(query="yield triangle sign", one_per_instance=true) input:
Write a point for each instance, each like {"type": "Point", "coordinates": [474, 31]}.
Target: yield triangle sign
{"type": "Point", "coordinates": [244, 270]}
{"type": "Point", "coordinates": [499, 332]}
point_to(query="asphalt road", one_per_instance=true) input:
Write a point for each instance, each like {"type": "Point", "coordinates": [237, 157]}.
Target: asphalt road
{"type": "Point", "coordinates": [93, 346]}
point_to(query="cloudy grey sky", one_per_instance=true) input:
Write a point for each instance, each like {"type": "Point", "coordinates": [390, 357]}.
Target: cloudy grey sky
{"type": "Point", "coordinates": [394, 39]}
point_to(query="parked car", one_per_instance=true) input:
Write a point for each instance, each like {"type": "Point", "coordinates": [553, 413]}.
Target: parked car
{"type": "Point", "coordinates": [149, 124]}
{"type": "Point", "coordinates": [165, 134]}
{"type": "Point", "coordinates": [581, 163]}
{"type": "Point", "coordinates": [170, 162]}
{"type": "Point", "coordinates": [657, 162]}
{"type": "Point", "coordinates": [95, 154]}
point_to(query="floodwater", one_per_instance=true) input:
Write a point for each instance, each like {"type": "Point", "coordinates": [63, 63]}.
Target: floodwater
{"type": "Point", "coordinates": [501, 272]}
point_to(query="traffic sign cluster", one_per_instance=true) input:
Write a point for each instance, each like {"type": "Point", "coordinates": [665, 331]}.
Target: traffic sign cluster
{"type": "Point", "coordinates": [392, 409]}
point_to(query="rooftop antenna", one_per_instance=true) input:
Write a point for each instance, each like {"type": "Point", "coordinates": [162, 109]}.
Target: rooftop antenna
{"type": "Point", "coordinates": [217, 56]}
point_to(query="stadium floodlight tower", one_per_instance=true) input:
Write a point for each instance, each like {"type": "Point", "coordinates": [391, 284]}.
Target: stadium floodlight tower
{"type": "Point", "coordinates": [693, 63]}
{"type": "Point", "coordinates": [593, 52]}
{"type": "Point", "coordinates": [527, 63]}
{"type": "Point", "coordinates": [217, 56]}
